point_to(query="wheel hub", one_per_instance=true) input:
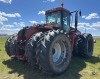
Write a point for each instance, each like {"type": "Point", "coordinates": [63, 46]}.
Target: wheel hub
{"type": "Point", "coordinates": [58, 52]}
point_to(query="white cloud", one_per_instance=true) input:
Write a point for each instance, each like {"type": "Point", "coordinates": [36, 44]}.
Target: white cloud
{"type": "Point", "coordinates": [42, 22]}
{"type": "Point", "coordinates": [3, 18]}
{"type": "Point", "coordinates": [91, 16]}
{"type": "Point", "coordinates": [6, 1]}
{"type": "Point", "coordinates": [7, 26]}
{"type": "Point", "coordinates": [9, 31]}
{"type": "Point", "coordinates": [41, 12]}
{"type": "Point", "coordinates": [48, 0]}
{"type": "Point", "coordinates": [96, 25]}
{"type": "Point", "coordinates": [11, 28]}
{"type": "Point", "coordinates": [10, 15]}
{"type": "Point", "coordinates": [89, 26]}
{"type": "Point", "coordinates": [1, 23]}
{"type": "Point", "coordinates": [21, 24]}
{"type": "Point", "coordinates": [33, 22]}
{"type": "Point", "coordinates": [83, 25]}
{"type": "Point", "coordinates": [51, 0]}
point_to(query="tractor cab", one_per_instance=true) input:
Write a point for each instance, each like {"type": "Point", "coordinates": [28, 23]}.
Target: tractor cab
{"type": "Point", "coordinates": [59, 18]}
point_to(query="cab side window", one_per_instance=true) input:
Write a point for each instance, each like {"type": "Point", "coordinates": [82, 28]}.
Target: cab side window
{"type": "Point", "coordinates": [66, 21]}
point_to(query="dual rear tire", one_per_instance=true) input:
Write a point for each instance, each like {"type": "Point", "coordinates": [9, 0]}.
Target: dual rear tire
{"type": "Point", "coordinates": [84, 45]}
{"type": "Point", "coordinates": [54, 52]}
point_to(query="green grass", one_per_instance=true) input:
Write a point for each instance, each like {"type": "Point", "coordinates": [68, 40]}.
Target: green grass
{"type": "Point", "coordinates": [79, 68]}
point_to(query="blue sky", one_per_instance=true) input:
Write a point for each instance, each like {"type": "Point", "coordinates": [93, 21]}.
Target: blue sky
{"type": "Point", "coordinates": [15, 14]}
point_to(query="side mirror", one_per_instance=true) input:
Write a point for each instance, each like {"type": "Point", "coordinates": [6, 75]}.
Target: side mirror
{"type": "Point", "coordinates": [80, 13]}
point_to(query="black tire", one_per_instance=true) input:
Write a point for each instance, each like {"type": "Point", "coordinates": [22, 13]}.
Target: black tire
{"type": "Point", "coordinates": [7, 45]}
{"type": "Point", "coordinates": [86, 45]}
{"type": "Point", "coordinates": [12, 45]}
{"type": "Point", "coordinates": [30, 49]}
{"type": "Point", "coordinates": [47, 55]}
{"type": "Point", "coordinates": [75, 47]}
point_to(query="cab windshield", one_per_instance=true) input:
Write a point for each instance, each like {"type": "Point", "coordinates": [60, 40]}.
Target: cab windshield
{"type": "Point", "coordinates": [55, 18]}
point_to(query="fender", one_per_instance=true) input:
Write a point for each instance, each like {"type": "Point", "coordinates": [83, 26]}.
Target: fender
{"type": "Point", "coordinates": [73, 36]}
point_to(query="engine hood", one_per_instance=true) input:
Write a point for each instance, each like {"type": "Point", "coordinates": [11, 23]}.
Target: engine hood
{"type": "Point", "coordinates": [32, 30]}
{"type": "Point", "coordinates": [27, 32]}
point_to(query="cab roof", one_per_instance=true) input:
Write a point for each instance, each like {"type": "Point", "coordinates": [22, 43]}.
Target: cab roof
{"type": "Point", "coordinates": [57, 9]}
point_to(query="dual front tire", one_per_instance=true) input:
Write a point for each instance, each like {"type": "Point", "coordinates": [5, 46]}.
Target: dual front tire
{"type": "Point", "coordinates": [10, 45]}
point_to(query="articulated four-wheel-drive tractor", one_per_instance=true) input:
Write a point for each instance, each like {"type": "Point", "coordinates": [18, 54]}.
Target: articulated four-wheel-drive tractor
{"type": "Point", "coordinates": [50, 46]}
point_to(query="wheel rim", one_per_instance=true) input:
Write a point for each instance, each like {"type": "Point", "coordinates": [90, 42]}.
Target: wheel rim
{"type": "Point", "coordinates": [58, 52]}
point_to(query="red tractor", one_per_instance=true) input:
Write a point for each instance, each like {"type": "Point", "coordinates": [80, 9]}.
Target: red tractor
{"type": "Point", "coordinates": [50, 46]}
